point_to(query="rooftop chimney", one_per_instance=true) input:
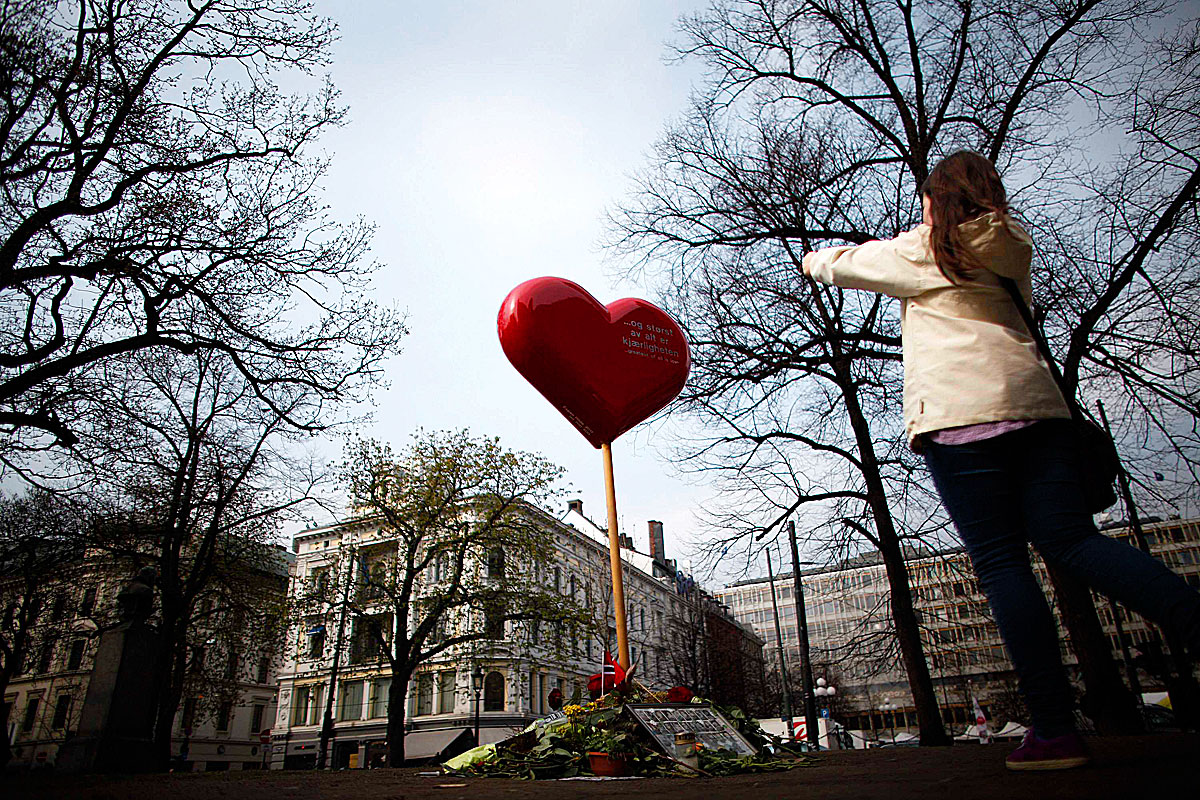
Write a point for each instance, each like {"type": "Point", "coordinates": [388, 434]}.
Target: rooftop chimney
{"type": "Point", "coordinates": [576, 506]}
{"type": "Point", "coordinates": [656, 542]}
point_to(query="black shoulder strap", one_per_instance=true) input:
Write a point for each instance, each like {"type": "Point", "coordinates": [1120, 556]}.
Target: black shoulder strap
{"type": "Point", "coordinates": [1027, 316]}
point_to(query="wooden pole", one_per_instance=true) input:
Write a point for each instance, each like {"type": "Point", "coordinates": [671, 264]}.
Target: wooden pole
{"type": "Point", "coordinates": [614, 558]}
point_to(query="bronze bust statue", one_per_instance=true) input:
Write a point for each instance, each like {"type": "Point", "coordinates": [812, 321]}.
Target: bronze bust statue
{"type": "Point", "coordinates": [135, 602]}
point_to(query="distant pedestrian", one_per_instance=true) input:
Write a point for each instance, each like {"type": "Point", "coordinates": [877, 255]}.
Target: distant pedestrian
{"type": "Point", "coordinates": [984, 409]}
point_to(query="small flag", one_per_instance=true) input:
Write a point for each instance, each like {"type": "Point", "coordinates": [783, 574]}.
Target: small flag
{"type": "Point", "coordinates": [609, 677]}
{"type": "Point", "coordinates": [981, 727]}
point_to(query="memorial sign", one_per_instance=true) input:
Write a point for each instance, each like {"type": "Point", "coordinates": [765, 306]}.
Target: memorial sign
{"type": "Point", "coordinates": [712, 730]}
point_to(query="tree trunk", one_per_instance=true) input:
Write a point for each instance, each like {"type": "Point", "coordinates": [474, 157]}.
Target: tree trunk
{"type": "Point", "coordinates": [397, 695]}
{"type": "Point", "coordinates": [1108, 702]}
{"type": "Point", "coordinates": [5, 712]}
{"type": "Point", "coordinates": [169, 676]}
{"type": "Point", "coordinates": [904, 615]}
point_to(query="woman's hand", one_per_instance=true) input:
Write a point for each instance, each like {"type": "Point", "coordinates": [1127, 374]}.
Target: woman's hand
{"type": "Point", "coordinates": [804, 263]}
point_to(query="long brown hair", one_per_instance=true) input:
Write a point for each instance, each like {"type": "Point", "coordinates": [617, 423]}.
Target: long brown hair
{"type": "Point", "coordinates": [961, 187]}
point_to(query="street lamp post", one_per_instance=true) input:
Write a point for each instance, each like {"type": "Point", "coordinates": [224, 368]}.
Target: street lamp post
{"type": "Point", "coordinates": [477, 685]}
{"type": "Point", "coordinates": [806, 676]}
{"type": "Point", "coordinates": [891, 707]}
{"type": "Point", "coordinates": [824, 689]}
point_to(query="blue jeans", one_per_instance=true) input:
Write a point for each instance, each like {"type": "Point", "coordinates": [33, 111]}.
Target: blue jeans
{"type": "Point", "coordinates": [1024, 486]}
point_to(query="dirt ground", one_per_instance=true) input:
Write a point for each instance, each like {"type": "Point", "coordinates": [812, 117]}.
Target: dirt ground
{"type": "Point", "coordinates": [1131, 768]}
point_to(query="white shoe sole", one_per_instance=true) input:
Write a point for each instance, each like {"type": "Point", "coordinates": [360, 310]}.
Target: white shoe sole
{"type": "Point", "coordinates": [1047, 764]}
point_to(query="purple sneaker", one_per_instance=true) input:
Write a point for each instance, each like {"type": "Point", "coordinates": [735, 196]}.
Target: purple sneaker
{"type": "Point", "coordinates": [1061, 752]}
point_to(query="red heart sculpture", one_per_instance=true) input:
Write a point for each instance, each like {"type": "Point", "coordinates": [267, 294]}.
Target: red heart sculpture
{"type": "Point", "coordinates": [605, 368]}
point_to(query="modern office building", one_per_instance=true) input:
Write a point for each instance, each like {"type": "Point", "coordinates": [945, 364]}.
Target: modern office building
{"type": "Point", "coordinates": [853, 644]}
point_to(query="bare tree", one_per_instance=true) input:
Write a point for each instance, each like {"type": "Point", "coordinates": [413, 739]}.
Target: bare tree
{"type": "Point", "coordinates": [1118, 298]}
{"type": "Point", "coordinates": [818, 121]}
{"type": "Point", "coordinates": [687, 645]}
{"type": "Point", "coordinates": [191, 473]}
{"type": "Point", "coordinates": [157, 197]}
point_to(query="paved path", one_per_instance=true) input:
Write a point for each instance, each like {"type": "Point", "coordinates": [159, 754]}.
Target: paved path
{"type": "Point", "coordinates": [1130, 768]}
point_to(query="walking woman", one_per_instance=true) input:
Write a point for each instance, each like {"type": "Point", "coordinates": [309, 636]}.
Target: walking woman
{"type": "Point", "coordinates": [983, 408]}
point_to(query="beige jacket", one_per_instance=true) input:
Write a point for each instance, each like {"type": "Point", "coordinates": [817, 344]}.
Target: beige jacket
{"type": "Point", "coordinates": [968, 357]}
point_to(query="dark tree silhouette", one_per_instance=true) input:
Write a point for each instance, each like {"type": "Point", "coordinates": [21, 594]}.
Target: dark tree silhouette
{"type": "Point", "coordinates": [158, 197]}
{"type": "Point", "coordinates": [191, 473]}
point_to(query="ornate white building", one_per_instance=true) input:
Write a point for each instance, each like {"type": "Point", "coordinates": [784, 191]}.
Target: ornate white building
{"type": "Point", "coordinates": [519, 666]}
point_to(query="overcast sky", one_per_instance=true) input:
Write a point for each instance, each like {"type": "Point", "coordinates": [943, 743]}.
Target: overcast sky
{"type": "Point", "coordinates": [487, 140]}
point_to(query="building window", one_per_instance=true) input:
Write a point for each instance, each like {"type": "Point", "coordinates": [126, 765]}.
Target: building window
{"type": "Point", "coordinates": [187, 720]}
{"type": "Point", "coordinates": [493, 692]}
{"type": "Point", "coordinates": [366, 639]}
{"type": "Point", "coordinates": [75, 658]}
{"type": "Point", "coordinates": [61, 708]}
{"type": "Point", "coordinates": [379, 697]}
{"type": "Point", "coordinates": [264, 667]}
{"type": "Point", "coordinates": [256, 718]}
{"type": "Point", "coordinates": [350, 705]}
{"type": "Point", "coordinates": [307, 704]}
{"type": "Point", "coordinates": [301, 697]}
{"type": "Point", "coordinates": [495, 564]}
{"type": "Point", "coordinates": [231, 666]}
{"type": "Point", "coordinates": [493, 623]}
{"type": "Point", "coordinates": [316, 641]}
{"type": "Point", "coordinates": [372, 578]}
{"type": "Point", "coordinates": [88, 604]}
{"type": "Point", "coordinates": [446, 692]}
{"type": "Point", "coordinates": [197, 658]}
{"type": "Point", "coordinates": [319, 583]}
{"type": "Point", "coordinates": [438, 633]}
{"type": "Point", "coordinates": [424, 694]}
{"type": "Point", "coordinates": [224, 712]}
{"type": "Point", "coordinates": [31, 710]}
{"type": "Point", "coordinates": [59, 608]}
{"type": "Point", "coordinates": [46, 657]}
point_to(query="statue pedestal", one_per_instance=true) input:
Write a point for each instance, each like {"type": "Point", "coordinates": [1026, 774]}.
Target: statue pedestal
{"type": "Point", "coordinates": [117, 723]}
